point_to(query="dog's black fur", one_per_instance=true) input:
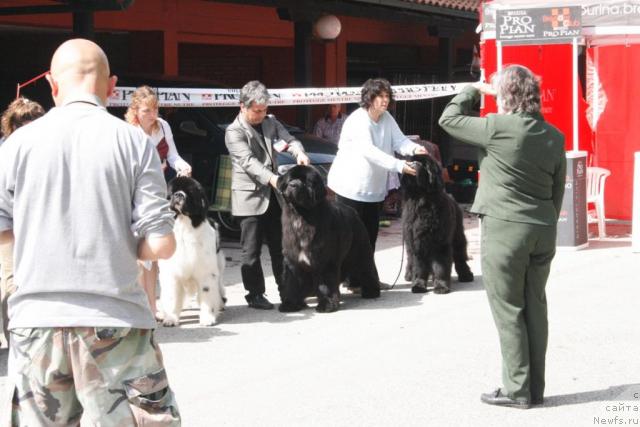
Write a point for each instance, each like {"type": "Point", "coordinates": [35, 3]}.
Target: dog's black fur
{"type": "Point", "coordinates": [195, 206]}
{"type": "Point", "coordinates": [323, 243]}
{"type": "Point", "coordinates": [433, 229]}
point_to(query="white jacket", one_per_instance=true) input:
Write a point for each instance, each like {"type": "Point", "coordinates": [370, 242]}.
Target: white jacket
{"type": "Point", "coordinates": [365, 156]}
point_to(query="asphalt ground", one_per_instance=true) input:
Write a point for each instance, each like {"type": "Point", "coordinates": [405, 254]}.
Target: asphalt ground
{"type": "Point", "coordinates": [412, 360]}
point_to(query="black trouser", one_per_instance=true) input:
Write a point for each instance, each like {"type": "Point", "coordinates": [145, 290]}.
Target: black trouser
{"type": "Point", "coordinates": [369, 213]}
{"type": "Point", "coordinates": [254, 230]}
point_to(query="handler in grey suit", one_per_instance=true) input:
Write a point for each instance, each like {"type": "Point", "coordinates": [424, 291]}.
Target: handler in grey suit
{"type": "Point", "coordinates": [253, 140]}
{"type": "Point", "coordinates": [523, 165]}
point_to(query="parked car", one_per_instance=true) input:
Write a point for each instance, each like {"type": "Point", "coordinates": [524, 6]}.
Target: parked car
{"type": "Point", "coordinates": [199, 136]}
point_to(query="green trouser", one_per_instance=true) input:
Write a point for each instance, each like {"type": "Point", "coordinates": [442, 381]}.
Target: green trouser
{"type": "Point", "coordinates": [516, 259]}
{"type": "Point", "coordinates": [104, 376]}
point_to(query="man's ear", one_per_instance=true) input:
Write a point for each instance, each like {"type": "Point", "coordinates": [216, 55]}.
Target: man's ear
{"type": "Point", "coordinates": [53, 84]}
{"type": "Point", "coordinates": [113, 80]}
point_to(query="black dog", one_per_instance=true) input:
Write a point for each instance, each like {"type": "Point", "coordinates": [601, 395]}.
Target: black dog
{"type": "Point", "coordinates": [323, 243]}
{"type": "Point", "coordinates": [433, 229]}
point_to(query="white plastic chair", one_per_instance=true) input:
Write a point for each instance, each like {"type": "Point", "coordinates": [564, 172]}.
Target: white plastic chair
{"type": "Point", "coordinates": [596, 178]}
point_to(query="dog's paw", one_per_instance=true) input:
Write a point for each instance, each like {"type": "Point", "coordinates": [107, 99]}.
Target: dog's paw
{"type": "Point", "coordinates": [440, 287]}
{"type": "Point", "coordinates": [419, 286]}
{"type": "Point", "coordinates": [290, 307]}
{"type": "Point", "coordinates": [465, 276]}
{"type": "Point", "coordinates": [328, 305]}
{"type": "Point", "coordinates": [170, 321]}
{"type": "Point", "coordinates": [209, 320]}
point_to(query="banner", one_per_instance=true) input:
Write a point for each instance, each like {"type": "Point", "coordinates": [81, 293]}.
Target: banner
{"type": "Point", "coordinates": [622, 16]}
{"type": "Point", "coordinates": [184, 97]}
{"type": "Point", "coordinates": [538, 26]}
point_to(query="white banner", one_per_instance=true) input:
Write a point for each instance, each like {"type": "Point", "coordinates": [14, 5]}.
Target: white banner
{"type": "Point", "coordinates": [182, 97]}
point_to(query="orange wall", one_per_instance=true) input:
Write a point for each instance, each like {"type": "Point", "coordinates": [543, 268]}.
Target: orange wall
{"type": "Point", "coordinates": [160, 32]}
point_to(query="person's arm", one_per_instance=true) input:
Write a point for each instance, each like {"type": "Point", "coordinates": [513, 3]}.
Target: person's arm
{"type": "Point", "coordinates": [294, 146]}
{"type": "Point", "coordinates": [237, 143]}
{"type": "Point", "coordinates": [174, 159]}
{"type": "Point", "coordinates": [559, 177]}
{"type": "Point", "coordinates": [7, 185]}
{"type": "Point", "coordinates": [401, 144]}
{"type": "Point", "coordinates": [317, 129]}
{"type": "Point", "coordinates": [6, 237]}
{"type": "Point", "coordinates": [155, 247]}
{"type": "Point", "coordinates": [152, 219]}
{"type": "Point", "coordinates": [357, 137]}
{"type": "Point", "coordinates": [457, 122]}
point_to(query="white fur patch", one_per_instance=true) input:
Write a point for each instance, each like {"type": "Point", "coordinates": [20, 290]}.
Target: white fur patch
{"type": "Point", "coordinates": [195, 269]}
{"type": "Point", "coordinates": [303, 258]}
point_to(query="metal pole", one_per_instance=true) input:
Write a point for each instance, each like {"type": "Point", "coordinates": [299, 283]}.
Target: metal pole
{"type": "Point", "coordinates": [574, 77]}
{"type": "Point", "coordinates": [635, 223]}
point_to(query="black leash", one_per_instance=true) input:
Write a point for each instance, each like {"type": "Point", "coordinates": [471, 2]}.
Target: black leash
{"type": "Point", "coordinates": [401, 261]}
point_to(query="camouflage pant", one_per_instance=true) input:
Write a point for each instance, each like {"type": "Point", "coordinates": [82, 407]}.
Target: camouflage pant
{"type": "Point", "coordinates": [106, 376]}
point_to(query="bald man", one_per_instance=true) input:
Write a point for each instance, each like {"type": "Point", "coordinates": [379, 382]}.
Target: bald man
{"type": "Point", "coordinates": [84, 196]}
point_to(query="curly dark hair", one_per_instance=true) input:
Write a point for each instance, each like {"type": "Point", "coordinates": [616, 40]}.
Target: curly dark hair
{"type": "Point", "coordinates": [373, 88]}
{"type": "Point", "coordinates": [518, 90]}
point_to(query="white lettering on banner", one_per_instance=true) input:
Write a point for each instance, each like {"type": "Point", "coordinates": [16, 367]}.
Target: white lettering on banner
{"type": "Point", "coordinates": [180, 97]}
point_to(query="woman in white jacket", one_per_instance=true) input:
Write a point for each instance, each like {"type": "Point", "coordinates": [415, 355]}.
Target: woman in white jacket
{"type": "Point", "coordinates": [368, 140]}
{"type": "Point", "coordinates": [143, 112]}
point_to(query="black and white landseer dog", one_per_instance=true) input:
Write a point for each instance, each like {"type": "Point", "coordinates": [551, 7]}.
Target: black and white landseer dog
{"type": "Point", "coordinates": [197, 266]}
{"type": "Point", "coordinates": [323, 243]}
{"type": "Point", "coordinates": [433, 229]}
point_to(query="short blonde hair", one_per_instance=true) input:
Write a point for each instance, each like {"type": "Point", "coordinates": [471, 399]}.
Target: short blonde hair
{"type": "Point", "coordinates": [20, 112]}
{"type": "Point", "coordinates": [143, 96]}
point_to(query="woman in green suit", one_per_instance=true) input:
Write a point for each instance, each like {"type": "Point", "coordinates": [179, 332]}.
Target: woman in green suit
{"type": "Point", "coordinates": [523, 164]}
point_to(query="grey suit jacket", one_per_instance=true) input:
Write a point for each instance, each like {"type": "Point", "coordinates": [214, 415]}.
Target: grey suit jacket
{"type": "Point", "coordinates": [254, 162]}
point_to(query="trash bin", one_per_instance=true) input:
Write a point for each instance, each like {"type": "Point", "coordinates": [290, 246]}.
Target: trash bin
{"type": "Point", "coordinates": [572, 223]}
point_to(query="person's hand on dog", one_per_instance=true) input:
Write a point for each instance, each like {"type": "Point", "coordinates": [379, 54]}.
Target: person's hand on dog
{"type": "Point", "coordinates": [302, 159]}
{"type": "Point", "coordinates": [408, 170]}
{"type": "Point", "coordinates": [484, 88]}
{"type": "Point", "coordinates": [185, 172]}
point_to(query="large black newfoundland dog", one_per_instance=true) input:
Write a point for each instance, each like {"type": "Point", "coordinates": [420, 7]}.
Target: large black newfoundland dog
{"type": "Point", "coordinates": [323, 242]}
{"type": "Point", "coordinates": [433, 229]}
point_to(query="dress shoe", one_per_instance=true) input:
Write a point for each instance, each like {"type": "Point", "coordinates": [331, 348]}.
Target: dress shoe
{"type": "Point", "coordinates": [259, 301]}
{"type": "Point", "coordinates": [497, 398]}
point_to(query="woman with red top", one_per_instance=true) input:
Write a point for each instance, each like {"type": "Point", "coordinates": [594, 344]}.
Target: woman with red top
{"type": "Point", "coordinates": [143, 112]}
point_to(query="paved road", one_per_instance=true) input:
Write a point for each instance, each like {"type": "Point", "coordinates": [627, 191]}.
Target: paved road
{"type": "Point", "coordinates": [413, 360]}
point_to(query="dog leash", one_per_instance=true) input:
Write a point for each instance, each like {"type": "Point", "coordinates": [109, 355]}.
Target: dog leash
{"type": "Point", "coordinates": [401, 262]}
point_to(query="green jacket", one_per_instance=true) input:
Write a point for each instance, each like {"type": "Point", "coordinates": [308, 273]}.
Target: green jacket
{"type": "Point", "coordinates": [522, 161]}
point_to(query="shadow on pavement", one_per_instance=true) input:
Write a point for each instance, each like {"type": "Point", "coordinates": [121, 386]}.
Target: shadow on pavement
{"type": "Point", "coordinates": [476, 285]}
{"type": "Point", "coordinates": [616, 394]}
{"type": "Point", "coordinates": [189, 334]}
{"type": "Point", "coordinates": [240, 314]}
{"type": "Point", "coordinates": [394, 298]}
